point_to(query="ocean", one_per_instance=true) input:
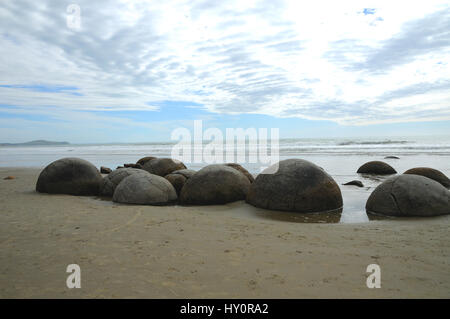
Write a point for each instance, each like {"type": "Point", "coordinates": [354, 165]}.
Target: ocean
{"type": "Point", "coordinates": [340, 157]}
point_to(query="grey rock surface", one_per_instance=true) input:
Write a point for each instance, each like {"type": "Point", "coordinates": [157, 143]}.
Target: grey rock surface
{"type": "Point", "coordinates": [376, 168]}
{"type": "Point", "coordinates": [432, 173]}
{"type": "Point", "coordinates": [70, 175]}
{"type": "Point", "coordinates": [241, 169]}
{"type": "Point", "coordinates": [215, 184]}
{"type": "Point", "coordinates": [113, 179]}
{"type": "Point", "coordinates": [163, 166]}
{"type": "Point", "coordinates": [409, 195]}
{"type": "Point", "coordinates": [298, 185]}
{"type": "Point", "coordinates": [145, 189]}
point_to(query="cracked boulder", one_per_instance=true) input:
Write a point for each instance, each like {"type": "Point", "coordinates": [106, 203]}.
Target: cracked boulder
{"type": "Point", "coordinates": [215, 184]}
{"type": "Point", "coordinates": [113, 179]}
{"type": "Point", "coordinates": [409, 195]}
{"type": "Point", "coordinates": [298, 185]}
{"type": "Point", "coordinates": [432, 173]}
{"type": "Point", "coordinates": [145, 189]}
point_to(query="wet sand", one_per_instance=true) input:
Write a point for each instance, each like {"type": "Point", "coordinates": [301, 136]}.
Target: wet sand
{"type": "Point", "coordinates": [229, 251]}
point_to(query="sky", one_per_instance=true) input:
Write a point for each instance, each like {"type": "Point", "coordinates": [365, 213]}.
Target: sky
{"type": "Point", "coordinates": [133, 71]}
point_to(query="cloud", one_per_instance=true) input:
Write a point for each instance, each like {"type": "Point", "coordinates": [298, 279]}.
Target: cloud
{"type": "Point", "coordinates": [357, 62]}
{"type": "Point", "coordinates": [419, 38]}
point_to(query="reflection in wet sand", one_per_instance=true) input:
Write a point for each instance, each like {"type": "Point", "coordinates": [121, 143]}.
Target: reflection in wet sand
{"type": "Point", "coordinates": [329, 217]}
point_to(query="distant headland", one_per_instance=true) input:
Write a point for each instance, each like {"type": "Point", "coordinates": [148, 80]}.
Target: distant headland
{"type": "Point", "coordinates": [35, 143]}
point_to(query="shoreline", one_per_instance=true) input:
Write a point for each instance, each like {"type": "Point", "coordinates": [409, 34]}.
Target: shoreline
{"type": "Point", "coordinates": [135, 251]}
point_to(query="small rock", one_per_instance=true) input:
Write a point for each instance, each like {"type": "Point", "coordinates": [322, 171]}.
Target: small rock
{"type": "Point", "coordinates": [131, 165]}
{"type": "Point", "coordinates": [356, 183]}
{"type": "Point", "coordinates": [105, 170]}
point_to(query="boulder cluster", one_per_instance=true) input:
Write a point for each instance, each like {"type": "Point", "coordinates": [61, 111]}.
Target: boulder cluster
{"type": "Point", "coordinates": [420, 191]}
{"type": "Point", "coordinates": [294, 185]}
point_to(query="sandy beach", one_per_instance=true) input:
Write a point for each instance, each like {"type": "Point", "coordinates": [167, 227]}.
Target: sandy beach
{"type": "Point", "coordinates": [229, 251]}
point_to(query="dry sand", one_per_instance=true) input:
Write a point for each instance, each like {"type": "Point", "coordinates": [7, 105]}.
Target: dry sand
{"type": "Point", "coordinates": [206, 252]}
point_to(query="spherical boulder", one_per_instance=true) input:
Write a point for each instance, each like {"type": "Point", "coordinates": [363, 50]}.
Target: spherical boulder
{"type": "Point", "coordinates": [434, 174]}
{"type": "Point", "coordinates": [144, 160]}
{"type": "Point", "coordinates": [177, 181]}
{"type": "Point", "coordinates": [179, 177]}
{"type": "Point", "coordinates": [73, 176]}
{"type": "Point", "coordinates": [298, 185]}
{"type": "Point", "coordinates": [376, 168]}
{"type": "Point", "coordinates": [242, 170]}
{"type": "Point", "coordinates": [114, 178]}
{"type": "Point", "coordinates": [409, 195]}
{"type": "Point", "coordinates": [215, 184]}
{"type": "Point", "coordinates": [185, 172]}
{"type": "Point", "coordinates": [145, 189]}
{"type": "Point", "coordinates": [163, 166]}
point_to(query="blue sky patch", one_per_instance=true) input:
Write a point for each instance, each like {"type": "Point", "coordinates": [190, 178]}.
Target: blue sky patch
{"type": "Point", "coordinates": [367, 11]}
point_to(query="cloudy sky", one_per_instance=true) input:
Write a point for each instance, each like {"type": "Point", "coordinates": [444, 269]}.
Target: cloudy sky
{"type": "Point", "coordinates": [135, 70]}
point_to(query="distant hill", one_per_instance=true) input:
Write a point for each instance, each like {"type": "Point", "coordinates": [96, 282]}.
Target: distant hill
{"type": "Point", "coordinates": [35, 143]}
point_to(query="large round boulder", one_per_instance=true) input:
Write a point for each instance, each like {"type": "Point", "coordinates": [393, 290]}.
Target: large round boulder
{"type": "Point", "coordinates": [163, 166]}
{"type": "Point", "coordinates": [144, 160]}
{"type": "Point", "coordinates": [178, 178]}
{"type": "Point", "coordinates": [376, 168]}
{"type": "Point", "coordinates": [185, 172]}
{"type": "Point", "coordinates": [242, 170]}
{"type": "Point", "coordinates": [71, 175]}
{"type": "Point", "coordinates": [298, 185]}
{"type": "Point", "coordinates": [215, 184]}
{"type": "Point", "coordinates": [145, 189]}
{"type": "Point", "coordinates": [409, 195]}
{"type": "Point", "coordinates": [114, 178]}
{"type": "Point", "coordinates": [434, 174]}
